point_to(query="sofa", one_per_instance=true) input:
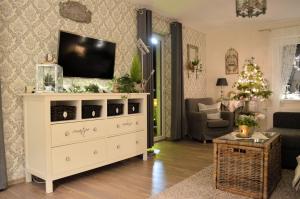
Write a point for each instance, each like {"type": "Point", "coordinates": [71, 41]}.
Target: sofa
{"type": "Point", "coordinates": [288, 125]}
{"type": "Point", "coordinates": [202, 129]}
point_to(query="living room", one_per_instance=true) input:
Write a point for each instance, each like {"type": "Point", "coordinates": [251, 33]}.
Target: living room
{"type": "Point", "coordinates": [180, 50]}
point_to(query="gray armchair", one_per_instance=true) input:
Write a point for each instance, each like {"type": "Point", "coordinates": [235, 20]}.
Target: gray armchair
{"type": "Point", "coordinates": [199, 127]}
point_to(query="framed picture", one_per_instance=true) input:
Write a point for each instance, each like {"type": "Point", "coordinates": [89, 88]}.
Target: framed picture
{"type": "Point", "coordinates": [231, 61]}
{"type": "Point", "coordinates": [192, 53]}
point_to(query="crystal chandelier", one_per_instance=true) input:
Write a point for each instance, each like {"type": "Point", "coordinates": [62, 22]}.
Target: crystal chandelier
{"type": "Point", "coordinates": [250, 8]}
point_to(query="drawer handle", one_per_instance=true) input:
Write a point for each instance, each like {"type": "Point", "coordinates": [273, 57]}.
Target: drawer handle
{"type": "Point", "coordinates": [118, 125]}
{"type": "Point", "coordinates": [237, 150]}
{"type": "Point", "coordinates": [118, 146]}
{"type": "Point", "coordinates": [137, 123]}
{"type": "Point", "coordinates": [65, 114]}
{"type": "Point", "coordinates": [68, 159]}
{"type": "Point", "coordinates": [67, 133]}
{"type": "Point", "coordinates": [93, 113]}
{"type": "Point", "coordinates": [137, 142]}
{"type": "Point", "coordinates": [95, 152]}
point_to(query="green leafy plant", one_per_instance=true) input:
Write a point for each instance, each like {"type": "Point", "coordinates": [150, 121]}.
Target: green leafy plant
{"type": "Point", "coordinates": [195, 62]}
{"type": "Point", "coordinates": [49, 80]}
{"type": "Point", "coordinates": [92, 88]}
{"type": "Point", "coordinates": [247, 120]}
{"type": "Point", "coordinates": [126, 84]}
{"type": "Point", "coordinates": [75, 89]}
{"type": "Point", "coordinates": [136, 69]}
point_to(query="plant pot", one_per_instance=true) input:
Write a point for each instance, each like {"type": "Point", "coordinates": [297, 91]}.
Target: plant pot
{"type": "Point", "coordinates": [245, 131]}
{"type": "Point", "coordinates": [138, 87]}
{"type": "Point", "coordinates": [115, 88]}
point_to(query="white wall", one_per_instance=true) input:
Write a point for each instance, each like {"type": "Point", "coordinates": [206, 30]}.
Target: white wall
{"type": "Point", "coordinates": [248, 43]}
{"type": "Point", "coordinates": [264, 46]}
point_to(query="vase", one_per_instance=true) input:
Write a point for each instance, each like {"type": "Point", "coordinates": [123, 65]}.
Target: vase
{"type": "Point", "coordinates": [139, 87]}
{"type": "Point", "coordinates": [115, 88]}
{"type": "Point", "coordinates": [245, 131]}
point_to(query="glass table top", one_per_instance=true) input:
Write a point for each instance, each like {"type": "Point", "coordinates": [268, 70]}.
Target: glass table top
{"type": "Point", "coordinates": [257, 137]}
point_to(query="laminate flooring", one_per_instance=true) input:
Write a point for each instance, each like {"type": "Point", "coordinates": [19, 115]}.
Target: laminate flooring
{"type": "Point", "coordinates": [128, 179]}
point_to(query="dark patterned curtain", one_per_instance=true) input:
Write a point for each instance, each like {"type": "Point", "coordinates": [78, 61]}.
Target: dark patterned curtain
{"type": "Point", "coordinates": [177, 100]}
{"type": "Point", "coordinates": [144, 32]}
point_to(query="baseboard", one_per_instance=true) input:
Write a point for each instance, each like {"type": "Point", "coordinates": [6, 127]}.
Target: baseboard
{"type": "Point", "coordinates": [17, 181]}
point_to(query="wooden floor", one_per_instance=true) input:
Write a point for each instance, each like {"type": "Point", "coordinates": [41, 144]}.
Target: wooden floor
{"type": "Point", "coordinates": [133, 178]}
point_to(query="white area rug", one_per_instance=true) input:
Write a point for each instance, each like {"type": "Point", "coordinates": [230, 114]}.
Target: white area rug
{"type": "Point", "coordinates": [201, 186]}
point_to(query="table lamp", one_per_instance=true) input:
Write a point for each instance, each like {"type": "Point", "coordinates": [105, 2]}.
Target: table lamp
{"type": "Point", "coordinates": [221, 82]}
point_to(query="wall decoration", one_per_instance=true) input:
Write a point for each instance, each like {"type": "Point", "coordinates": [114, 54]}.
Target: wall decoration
{"type": "Point", "coordinates": [193, 63]}
{"type": "Point", "coordinates": [75, 11]}
{"type": "Point", "coordinates": [231, 61]}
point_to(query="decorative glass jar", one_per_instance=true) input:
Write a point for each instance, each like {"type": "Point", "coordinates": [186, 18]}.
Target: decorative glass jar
{"type": "Point", "coordinates": [49, 78]}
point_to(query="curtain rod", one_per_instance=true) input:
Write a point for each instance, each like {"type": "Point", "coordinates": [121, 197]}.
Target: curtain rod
{"type": "Point", "coordinates": [282, 27]}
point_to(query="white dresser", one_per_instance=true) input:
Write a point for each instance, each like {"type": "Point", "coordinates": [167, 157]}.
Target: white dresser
{"type": "Point", "coordinates": [56, 149]}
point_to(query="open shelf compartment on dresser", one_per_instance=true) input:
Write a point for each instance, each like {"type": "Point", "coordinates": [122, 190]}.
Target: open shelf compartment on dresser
{"type": "Point", "coordinates": [135, 106]}
{"type": "Point", "coordinates": [64, 110]}
{"type": "Point", "coordinates": [92, 109]}
{"type": "Point", "coordinates": [116, 107]}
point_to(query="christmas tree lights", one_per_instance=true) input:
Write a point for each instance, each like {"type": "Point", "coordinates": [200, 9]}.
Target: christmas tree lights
{"type": "Point", "coordinates": [251, 84]}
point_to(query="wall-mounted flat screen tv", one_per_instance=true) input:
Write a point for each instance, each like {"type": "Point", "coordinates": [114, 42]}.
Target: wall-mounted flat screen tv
{"type": "Point", "coordinates": [86, 57]}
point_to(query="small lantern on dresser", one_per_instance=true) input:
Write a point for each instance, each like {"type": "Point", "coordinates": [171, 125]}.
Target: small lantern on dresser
{"type": "Point", "coordinates": [49, 78]}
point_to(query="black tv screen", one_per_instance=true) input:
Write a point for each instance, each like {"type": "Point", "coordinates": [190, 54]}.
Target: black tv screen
{"type": "Point", "coordinates": [86, 57]}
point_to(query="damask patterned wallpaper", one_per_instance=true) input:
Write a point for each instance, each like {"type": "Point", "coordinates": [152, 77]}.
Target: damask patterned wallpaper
{"type": "Point", "coordinates": [194, 87]}
{"type": "Point", "coordinates": [29, 30]}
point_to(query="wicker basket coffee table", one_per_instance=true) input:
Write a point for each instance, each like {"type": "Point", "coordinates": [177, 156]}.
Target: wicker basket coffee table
{"type": "Point", "coordinates": [249, 167]}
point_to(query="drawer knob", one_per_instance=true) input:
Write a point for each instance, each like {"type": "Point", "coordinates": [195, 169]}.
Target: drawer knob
{"type": "Point", "coordinates": [65, 114]}
{"type": "Point", "coordinates": [118, 146]}
{"type": "Point", "coordinates": [95, 152]}
{"type": "Point", "coordinates": [137, 142]}
{"type": "Point", "coordinates": [68, 159]}
{"type": "Point", "coordinates": [67, 133]}
{"type": "Point", "coordinates": [137, 123]}
{"type": "Point", "coordinates": [118, 125]}
{"type": "Point", "coordinates": [95, 129]}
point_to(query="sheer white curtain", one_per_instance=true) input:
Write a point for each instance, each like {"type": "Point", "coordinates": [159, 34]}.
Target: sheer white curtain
{"type": "Point", "coordinates": [288, 56]}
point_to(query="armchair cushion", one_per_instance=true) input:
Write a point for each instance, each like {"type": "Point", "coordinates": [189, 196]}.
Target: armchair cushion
{"type": "Point", "coordinates": [217, 123]}
{"type": "Point", "coordinates": [212, 111]}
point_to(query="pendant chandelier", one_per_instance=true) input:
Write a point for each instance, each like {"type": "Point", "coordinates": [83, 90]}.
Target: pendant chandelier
{"type": "Point", "coordinates": [250, 8]}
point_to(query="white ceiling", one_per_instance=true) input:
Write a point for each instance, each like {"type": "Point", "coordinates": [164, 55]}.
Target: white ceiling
{"type": "Point", "coordinates": [208, 15]}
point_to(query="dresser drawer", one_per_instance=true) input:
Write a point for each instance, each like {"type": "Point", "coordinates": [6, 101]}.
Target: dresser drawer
{"type": "Point", "coordinates": [67, 158]}
{"type": "Point", "coordinates": [121, 147]}
{"type": "Point", "coordinates": [128, 124]}
{"type": "Point", "coordinates": [68, 133]}
{"type": "Point", "coordinates": [141, 142]}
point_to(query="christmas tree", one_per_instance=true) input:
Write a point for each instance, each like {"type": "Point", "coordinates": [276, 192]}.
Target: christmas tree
{"type": "Point", "coordinates": [251, 84]}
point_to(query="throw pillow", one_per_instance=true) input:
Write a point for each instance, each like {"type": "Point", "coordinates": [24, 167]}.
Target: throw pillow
{"type": "Point", "coordinates": [212, 111]}
{"type": "Point", "coordinates": [296, 181]}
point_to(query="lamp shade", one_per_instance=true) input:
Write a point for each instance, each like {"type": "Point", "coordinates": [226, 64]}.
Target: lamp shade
{"type": "Point", "coordinates": [221, 82]}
